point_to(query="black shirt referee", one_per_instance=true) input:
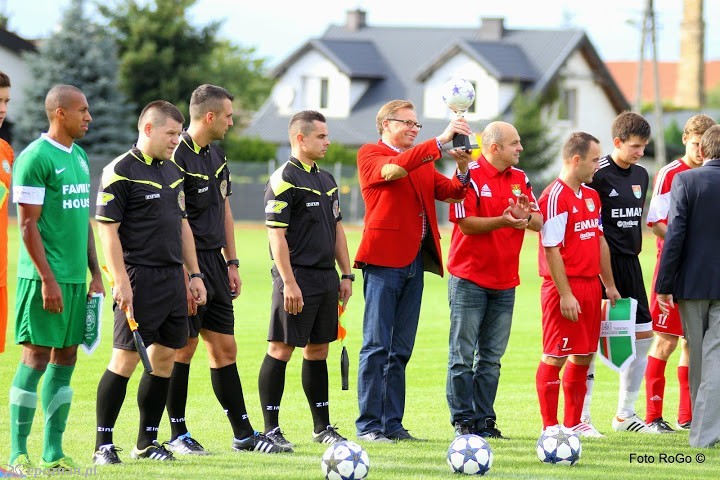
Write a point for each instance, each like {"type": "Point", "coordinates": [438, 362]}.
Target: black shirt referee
{"type": "Point", "coordinates": [302, 213]}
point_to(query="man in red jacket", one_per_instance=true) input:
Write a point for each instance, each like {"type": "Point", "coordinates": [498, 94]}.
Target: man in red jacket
{"type": "Point", "coordinates": [399, 185]}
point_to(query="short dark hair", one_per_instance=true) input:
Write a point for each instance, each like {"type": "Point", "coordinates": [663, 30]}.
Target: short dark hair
{"type": "Point", "coordinates": [628, 124]}
{"type": "Point", "coordinates": [4, 80]}
{"type": "Point", "coordinates": [58, 97]}
{"type": "Point", "coordinates": [157, 113]}
{"type": "Point", "coordinates": [302, 122]}
{"type": "Point", "coordinates": [207, 98]}
{"type": "Point", "coordinates": [578, 143]}
{"type": "Point", "coordinates": [710, 143]}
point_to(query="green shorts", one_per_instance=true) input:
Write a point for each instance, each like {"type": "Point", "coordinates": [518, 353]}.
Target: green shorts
{"type": "Point", "coordinates": [37, 326]}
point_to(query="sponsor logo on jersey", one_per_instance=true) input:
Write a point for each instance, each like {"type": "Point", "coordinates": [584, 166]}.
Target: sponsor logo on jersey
{"type": "Point", "coordinates": [627, 223]}
{"type": "Point", "coordinates": [6, 165]}
{"type": "Point", "coordinates": [312, 204]}
{"type": "Point", "coordinates": [590, 204]}
{"type": "Point", "coordinates": [636, 191]}
{"type": "Point", "coordinates": [75, 188]}
{"type": "Point", "coordinates": [181, 200]}
{"type": "Point", "coordinates": [203, 190]}
{"type": "Point", "coordinates": [58, 171]}
{"type": "Point", "coordinates": [485, 191]}
{"type": "Point", "coordinates": [613, 193]}
{"type": "Point", "coordinates": [516, 189]}
{"type": "Point", "coordinates": [591, 223]}
{"type": "Point", "coordinates": [104, 198]}
{"type": "Point", "coordinates": [275, 206]}
{"type": "Point", "coordinates": [223, 188]}
{"type": "Point", "coordinates": [152, 196]}
{"type": "Point", "coordinates": [632, 212]}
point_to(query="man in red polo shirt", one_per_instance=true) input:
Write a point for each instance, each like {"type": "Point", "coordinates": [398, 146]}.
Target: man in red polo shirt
{"type": "Point", "coordinates": [489, 230]}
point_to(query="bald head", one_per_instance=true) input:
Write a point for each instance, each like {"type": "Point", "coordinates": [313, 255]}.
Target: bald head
{"type": "Point", "coordinates": [493, 133]}
{"type": "Point", "coordinates": [60, 96]}
{"type": "Point", "coordinates": [501, 145]}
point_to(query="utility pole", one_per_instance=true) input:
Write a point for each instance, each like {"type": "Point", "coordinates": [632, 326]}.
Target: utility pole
{"type": "Point", "coordinates": [649, 27]}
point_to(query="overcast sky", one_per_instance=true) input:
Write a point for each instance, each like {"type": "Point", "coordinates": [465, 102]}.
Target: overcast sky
{"type": "Point", "coordinates": [276, 28]}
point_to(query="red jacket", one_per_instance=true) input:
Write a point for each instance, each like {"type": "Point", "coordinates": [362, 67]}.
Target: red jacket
{"type": "Point", "coordinates": [393, 208]}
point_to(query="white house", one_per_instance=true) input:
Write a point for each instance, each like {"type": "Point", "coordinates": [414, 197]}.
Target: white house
{"type": "Point", "coordinates": [12, 48]}
{"type": "Point", "coordinates": [351, 70]}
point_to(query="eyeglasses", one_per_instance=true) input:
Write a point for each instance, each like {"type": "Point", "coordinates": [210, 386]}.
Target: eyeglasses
{"type": "Point", "coordinates": [408, 123]}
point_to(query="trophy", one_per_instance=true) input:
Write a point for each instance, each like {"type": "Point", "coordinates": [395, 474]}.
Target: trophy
{"type": "Point", "coordinates": [458, 94]}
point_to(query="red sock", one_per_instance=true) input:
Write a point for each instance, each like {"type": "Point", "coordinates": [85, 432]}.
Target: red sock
{"type": "Point", "coordinates": [654, 388]}
{"type": "Point", "coordinates": [574, 389]}
{"type": "Point", "coordinates": [547, 384]}
{"type": "Point", "coordinates": [684, 408]}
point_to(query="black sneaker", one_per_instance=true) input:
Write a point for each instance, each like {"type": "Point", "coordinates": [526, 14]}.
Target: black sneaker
{"type": "Point", "coordinates": [463, 428]}
{"type": "Point", "coordinates": [329, 436]}
{"type": "Point", "coordinates": [154, 452]}
{"type": "Point", "coordinates": [186, 445]}
{"type": "Point", "coordinates": [276, 435]}
{"type": "Point", "coordinates": [107, 455]}
{"type": "Point", "coordinates": [660, 426]}
{"type": "Point", "coordinates": [684, 425]}
{"type": "Point", "coordinates": [488, 429]}
{"type": "Point", "coordinates": [259, 442]}
{"type": "Point", "coordinates": [403, 435]}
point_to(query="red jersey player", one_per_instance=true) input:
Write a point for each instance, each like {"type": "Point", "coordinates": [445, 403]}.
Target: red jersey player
{"type": "Point", "coordinates": [667, 327]}
{"type": "Point", "coordinates": [574, 253]}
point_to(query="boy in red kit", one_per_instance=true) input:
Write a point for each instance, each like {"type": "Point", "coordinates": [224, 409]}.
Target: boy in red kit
{"type": "Point", "coordinates": [574, 254]}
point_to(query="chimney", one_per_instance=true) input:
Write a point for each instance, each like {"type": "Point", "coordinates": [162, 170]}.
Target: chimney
{"type": "Point", "coordinates": [690, 87]}
{"type": "Point", "coordinates": [355, 20]}
{"type": "Point", "coordinates": [492, 28]}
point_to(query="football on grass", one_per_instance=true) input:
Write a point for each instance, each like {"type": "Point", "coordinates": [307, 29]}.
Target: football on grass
{"type": "Point", "coordinates": [470, 454]}
{"type": "Point", "coordinates": [345, 461]}
{"type": "Point", "coordinates": [559, 446]}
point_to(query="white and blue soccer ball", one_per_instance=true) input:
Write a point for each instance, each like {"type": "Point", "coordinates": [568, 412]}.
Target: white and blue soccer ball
{"type": "Point", "coordinates": [559, 446]}
{"type": "Point", "coordinates": [470, 454]}
{"type": "Point", "coordinates": [458, 94]}
{"type": "Point", "coordinates": [345, 461]}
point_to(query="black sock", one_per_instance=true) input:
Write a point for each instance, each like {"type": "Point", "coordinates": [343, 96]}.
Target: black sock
{"type": "Point", "coordinates": [228, 390]}
{"type": "Point", "coordinates": [110, 397]}
{"type": "Point", "coordinates": [271, 384]}
{"type": "Point", "coordinates": [315, 384]}
{"type": "Point", "coordinates": [151, 398]}
{"type": "Point", "coordinates": [177, 399]}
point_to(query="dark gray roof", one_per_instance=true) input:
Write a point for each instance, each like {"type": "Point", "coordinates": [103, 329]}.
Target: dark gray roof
{"type": "Point", "coordinates": [14, 43]}
{"type": "Point", "coordinates": [399, 56]}
{"type": "Point", "coordinates": [356, 59]}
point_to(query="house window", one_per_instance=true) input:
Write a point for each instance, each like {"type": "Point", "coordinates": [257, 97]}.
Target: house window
{"type": "Point", "coordinates": [323, 93]}
{"type": "Point", "coordinates": [567, 108]}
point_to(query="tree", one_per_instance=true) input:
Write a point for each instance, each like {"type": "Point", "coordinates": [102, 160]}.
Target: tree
{"type": "Point", "coordinates": [79, 53]}
{"type": "Point", "coordinates": [164, 56]}
{"type": "Point", "coordinates": [539, 145]}
{"type": "Point", "coordinates": [247, 149]}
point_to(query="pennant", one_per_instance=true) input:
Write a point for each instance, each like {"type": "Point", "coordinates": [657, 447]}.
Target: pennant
{"type": "Point", "coordinates": [91, 339]}
{"type": "Point", "coordinates": [617, 333]}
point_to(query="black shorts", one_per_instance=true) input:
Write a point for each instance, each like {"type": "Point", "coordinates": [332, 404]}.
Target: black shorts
{"type": "Point", "coordinates": [160, 306]}
{"type": "Point", "coordinates": [318, 321]}
{"type": "Point", "coordinates": [629, 282]}
{"type": "Point", "coordinates": [217, 314]}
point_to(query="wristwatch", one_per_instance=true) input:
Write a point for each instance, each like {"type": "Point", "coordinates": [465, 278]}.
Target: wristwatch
{"type": "Point", "coordinates": [349, 276]}
{"type": "Point", "coordinates": [529, 219]}
{"type": "Point", "coordinates": [234, 261]}
{"type": "Point", "coordinates": [196, 275]}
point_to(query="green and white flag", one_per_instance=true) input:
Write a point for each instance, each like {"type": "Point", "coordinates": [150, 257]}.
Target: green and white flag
{"type": "Point", "coordinates": [91, 340]}
{"type": "Point", "coordinates": [617, 333]}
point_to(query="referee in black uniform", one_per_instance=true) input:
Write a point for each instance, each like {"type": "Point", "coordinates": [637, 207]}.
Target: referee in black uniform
{"type": "Point", "coordinates": [146, 239]}
{"type": "Point", "coordinates": [207, 187]}
{"type": "Point", "coordinates": [622, 185]}
{"type": "Point", "coordinates": [302, 213]}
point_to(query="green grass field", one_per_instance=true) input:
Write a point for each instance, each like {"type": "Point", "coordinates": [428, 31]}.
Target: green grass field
{"type": "Point", "coordinates": [426, 413]}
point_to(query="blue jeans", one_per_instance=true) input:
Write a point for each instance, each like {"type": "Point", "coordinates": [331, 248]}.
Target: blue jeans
{"type": "Point", "coordinates": [480, 320]}
{"type": "Point", "coordinates": [392, 312]}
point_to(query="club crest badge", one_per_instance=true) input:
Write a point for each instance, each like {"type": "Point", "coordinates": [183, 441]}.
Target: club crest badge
{"type": "Point", "coordinates": [515, 187]}
{"type": "Point", "coordinates": [6, 166]}
{"type": "Point", "coordinates": [636, 191]}
{"type": "Point", "coordinates": [336, 208]}
{"type": "Point", "coordinates": [223, 188]}
{"type": "Point", "coordinates": [590, 204]}
{"type": "Point", "coordinates": [181, 200]}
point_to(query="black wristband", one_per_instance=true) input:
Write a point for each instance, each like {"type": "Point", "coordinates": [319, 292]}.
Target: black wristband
{"type": "Point", "coordinates": [196, 275]}
{"type": "Point", "coordinates": [234, 261]}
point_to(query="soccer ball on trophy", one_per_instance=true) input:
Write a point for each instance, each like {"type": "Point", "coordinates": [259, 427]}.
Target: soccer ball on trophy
{"type": "Point", "coordinates": [458, 94]}
{"type": "Point", "coordinates": [559, 446]}
{"type": "Point", "coordinates": [345, 461]}
{"type": "Point", "coordinates": [470, 454]}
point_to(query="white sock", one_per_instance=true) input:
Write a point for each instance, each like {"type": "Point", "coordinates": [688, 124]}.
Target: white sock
{"type": "Point", "coordinates": [631, 379]}
{"type": "Point", "coordinates": [590, 382]}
